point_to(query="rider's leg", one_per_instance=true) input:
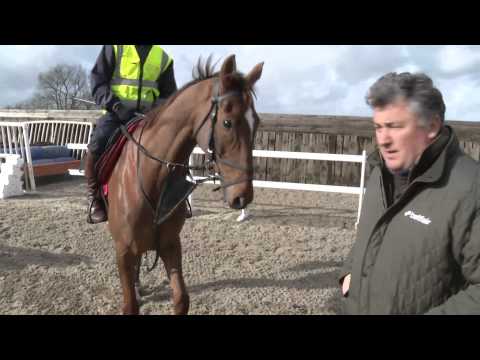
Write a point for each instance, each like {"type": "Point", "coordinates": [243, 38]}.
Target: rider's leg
{"type": "Point", "coordinates": [106, 125]}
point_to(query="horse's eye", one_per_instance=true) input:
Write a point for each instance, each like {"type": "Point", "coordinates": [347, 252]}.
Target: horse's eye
{"type": "Point", "coordinates": [227, 124]}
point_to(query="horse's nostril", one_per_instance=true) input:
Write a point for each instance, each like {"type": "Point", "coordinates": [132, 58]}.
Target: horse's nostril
{"type": "Point", "coordinates": [239, 202]}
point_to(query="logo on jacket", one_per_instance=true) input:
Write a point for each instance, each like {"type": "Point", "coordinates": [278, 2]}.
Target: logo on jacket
{"type": "Point", "coordinates": [419, 218]}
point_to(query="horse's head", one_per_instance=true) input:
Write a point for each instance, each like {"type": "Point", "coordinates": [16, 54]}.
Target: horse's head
{"type": "Point", "coordinates": [232, 126]}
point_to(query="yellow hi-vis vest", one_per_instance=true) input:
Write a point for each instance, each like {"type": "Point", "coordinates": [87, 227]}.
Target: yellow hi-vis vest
{"type": "Point", "coordinates": [131, 81]}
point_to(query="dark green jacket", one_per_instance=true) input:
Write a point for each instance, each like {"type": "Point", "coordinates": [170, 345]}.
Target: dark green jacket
{"type": "Point", "coordinates": [422, 253]}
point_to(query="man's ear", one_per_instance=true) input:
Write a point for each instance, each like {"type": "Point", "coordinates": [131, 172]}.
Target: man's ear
{"type": "Point", "coordinates": [434, 128]}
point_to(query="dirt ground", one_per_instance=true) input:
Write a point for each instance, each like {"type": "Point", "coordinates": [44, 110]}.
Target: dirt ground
{"type": "Point", "coordinates": [284, 260]}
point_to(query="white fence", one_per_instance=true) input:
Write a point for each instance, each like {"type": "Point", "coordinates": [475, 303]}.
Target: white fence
{"type": "Point", "coordinates": [309, 187]}
{"type": "Point", "coordinates": [17, 138]}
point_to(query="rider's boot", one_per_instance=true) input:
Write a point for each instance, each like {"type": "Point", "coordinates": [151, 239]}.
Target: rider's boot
{"type": "Point", "coordinates": [96, 210]}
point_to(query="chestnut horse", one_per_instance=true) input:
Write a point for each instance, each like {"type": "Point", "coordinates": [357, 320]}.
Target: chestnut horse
{"type": "Point", "coordinates": [215, 111]}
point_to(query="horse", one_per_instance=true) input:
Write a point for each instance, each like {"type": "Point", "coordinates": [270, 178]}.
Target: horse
{"type": "Point", "coordinates": [214, 111]}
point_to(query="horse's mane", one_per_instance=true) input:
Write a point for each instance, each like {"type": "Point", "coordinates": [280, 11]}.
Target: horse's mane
{"type": "Point", "coordinates": [200, 72]}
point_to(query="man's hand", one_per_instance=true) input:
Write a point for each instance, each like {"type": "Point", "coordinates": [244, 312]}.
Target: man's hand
{"type": "Point", "coordinates": [346, 284]}
{"type": "Point", "coordinates": [123, 113]}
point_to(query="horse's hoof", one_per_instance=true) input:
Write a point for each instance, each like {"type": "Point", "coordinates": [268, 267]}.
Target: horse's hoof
{"type": "Point", "coordinates": [181, 306]}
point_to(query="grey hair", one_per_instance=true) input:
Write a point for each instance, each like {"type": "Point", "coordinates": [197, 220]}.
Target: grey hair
{"type": "Point", "coordinates": [417, 90]}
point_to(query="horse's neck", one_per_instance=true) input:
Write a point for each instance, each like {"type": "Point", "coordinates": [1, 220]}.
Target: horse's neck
{"type": "Point", "coordinates": [172, 131]}
{"type": "Point", "coordinates": [168, 140]}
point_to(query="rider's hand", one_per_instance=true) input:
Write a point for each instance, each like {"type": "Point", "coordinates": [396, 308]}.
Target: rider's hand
{"type": "Point", "coordinates": [346, 284]}
{"type": "Point", "coordinates": [123, 113]}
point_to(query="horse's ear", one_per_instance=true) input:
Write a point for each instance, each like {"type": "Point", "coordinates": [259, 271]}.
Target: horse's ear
{"type": "Point", "coordinates": [229, 66]}
{"type": "Point", "coordinates": [254, 75]}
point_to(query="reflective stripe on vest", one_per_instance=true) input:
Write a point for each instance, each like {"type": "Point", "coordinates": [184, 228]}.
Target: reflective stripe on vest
{"type": "Point", "coordinates": [126, 78]}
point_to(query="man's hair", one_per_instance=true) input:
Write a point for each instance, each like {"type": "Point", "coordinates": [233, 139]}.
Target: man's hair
{"type": "Point", "coordinates": [417, 90]}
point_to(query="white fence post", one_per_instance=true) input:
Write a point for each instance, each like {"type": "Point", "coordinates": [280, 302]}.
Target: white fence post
{"type": "Point", "coordinates": [362, 186]}
{"type": "Point", "coordinates": [32, 186]}
{"type": "Point", "coordinates": [190, 198]}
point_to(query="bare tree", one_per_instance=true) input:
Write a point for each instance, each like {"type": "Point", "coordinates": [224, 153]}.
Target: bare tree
{"type": "Point", "coordinates": [58, 87]}
{"type": "Point", "coordinates": [61, 84]}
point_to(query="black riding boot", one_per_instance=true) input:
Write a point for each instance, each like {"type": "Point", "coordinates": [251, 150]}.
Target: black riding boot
{"type": "Point", "coordinates": [96, 210]}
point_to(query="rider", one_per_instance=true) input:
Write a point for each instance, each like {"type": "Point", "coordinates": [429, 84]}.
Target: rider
{"type": "Point", "coordinates": [126, 79]}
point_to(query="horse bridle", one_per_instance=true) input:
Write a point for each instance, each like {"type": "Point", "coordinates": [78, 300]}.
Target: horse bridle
{"type": "Point", "coordinates": [213, 156]}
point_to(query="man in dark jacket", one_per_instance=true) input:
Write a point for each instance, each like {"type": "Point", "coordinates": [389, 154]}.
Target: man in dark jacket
{"type": "Point", "coordinates": [125, 80]}
{"type": "Point", "coordinates": [417, 249]}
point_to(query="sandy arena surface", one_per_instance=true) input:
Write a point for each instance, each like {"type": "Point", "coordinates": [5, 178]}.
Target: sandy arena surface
{"type": "Point", "coordinates": [284, 260]}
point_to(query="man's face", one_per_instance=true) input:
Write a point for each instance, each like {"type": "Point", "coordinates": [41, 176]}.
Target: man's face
{"type": "Point", "coordinates": [400, 137]}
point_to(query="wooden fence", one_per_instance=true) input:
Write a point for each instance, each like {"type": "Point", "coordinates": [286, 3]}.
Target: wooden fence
{"type": "Point", "coordinates": [333, 135]}
{"type": "Point", "coordinates": [279, 132]}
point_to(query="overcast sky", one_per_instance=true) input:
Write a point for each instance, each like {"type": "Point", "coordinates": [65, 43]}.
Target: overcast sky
{"type": "Point", "coordinates": [309, 79]}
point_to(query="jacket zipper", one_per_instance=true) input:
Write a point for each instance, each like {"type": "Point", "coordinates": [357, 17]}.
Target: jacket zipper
{"type": "Point", "coordinates": [140, 83]}
{"type": "Point", "coordinates": [140, 80]}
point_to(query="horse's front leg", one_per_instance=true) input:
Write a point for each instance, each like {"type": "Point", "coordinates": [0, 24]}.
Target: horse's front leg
{"type": "Point", "coordinates": [171, 254]}
{"type": "Point", "coordinates": [127, 262]}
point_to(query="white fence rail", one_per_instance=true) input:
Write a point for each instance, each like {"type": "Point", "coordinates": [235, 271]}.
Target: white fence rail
{"type": "Point", "coordinates": [309, 187]}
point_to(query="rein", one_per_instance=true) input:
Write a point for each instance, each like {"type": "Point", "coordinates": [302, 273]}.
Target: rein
{"type": "Point", "coordinates": [213, 157]}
